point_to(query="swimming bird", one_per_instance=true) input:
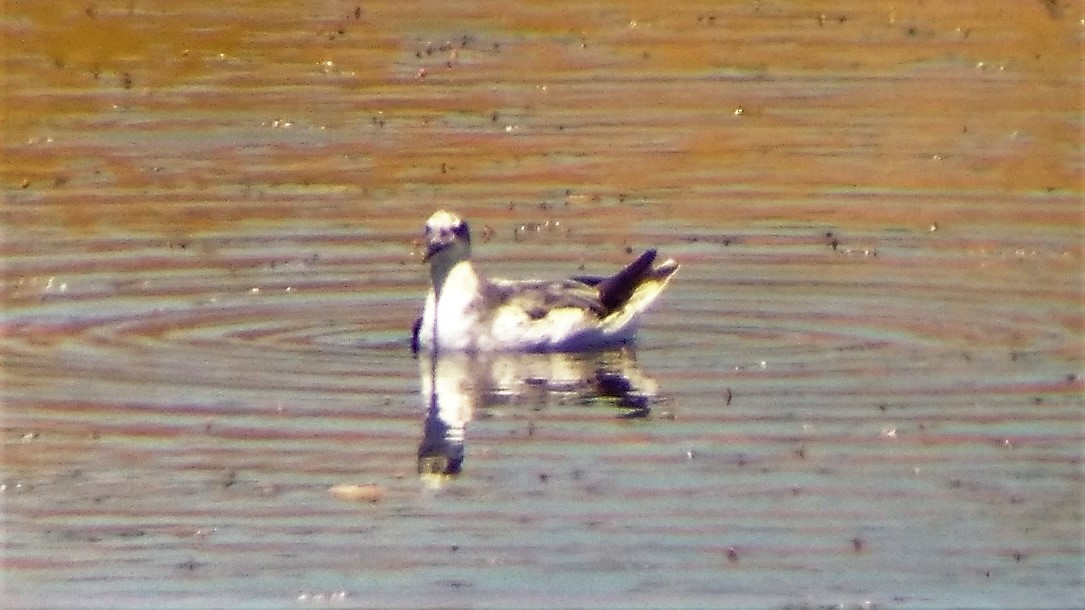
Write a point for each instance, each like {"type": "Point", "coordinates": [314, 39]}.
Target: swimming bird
{"type": "Point", "coordinates": [467, 312]}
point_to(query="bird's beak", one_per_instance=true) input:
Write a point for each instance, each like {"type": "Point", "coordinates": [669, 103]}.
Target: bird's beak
{"type": "Point", "coordinates": [433, 247]}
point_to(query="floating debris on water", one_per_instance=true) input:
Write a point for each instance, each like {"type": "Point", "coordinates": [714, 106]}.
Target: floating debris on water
{"type": "Point", "coordinates": [365, 492]}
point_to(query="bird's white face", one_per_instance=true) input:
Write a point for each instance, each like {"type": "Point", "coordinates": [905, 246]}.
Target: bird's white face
{"type": "Point", "coordinates": [444, 232]}
{"type": "Point", "coordinates": [448, 242]}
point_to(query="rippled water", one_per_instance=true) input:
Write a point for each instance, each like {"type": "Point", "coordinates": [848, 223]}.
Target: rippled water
{"type": "Point", "coordinates": [863, 388]}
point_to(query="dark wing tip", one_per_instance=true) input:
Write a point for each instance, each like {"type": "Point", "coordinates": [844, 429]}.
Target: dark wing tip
{"type": "Point", "coordinates": [615, 290]}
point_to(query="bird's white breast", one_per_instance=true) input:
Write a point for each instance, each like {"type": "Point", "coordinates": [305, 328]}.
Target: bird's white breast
{"type": "Point", "coordinates": [454, 314]}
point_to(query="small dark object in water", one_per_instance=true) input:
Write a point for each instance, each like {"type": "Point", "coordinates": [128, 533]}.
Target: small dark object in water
{"type": "Point", "coordinates": [833, 241]}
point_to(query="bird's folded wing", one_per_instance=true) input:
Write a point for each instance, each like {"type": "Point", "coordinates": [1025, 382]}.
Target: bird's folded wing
{"type": "Point", "coordinates": [539, 298]}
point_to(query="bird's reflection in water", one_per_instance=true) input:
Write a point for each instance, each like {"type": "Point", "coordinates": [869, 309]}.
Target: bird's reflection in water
{"type": "Point", "coordinates": [455, 386]}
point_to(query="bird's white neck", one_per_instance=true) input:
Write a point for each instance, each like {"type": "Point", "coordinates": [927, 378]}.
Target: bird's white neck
{"type": "Point", "coordinates": [442, 264]}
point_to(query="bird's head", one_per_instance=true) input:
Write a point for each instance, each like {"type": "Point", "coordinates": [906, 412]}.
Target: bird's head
{"type": "Point", "coordinates": [444, 232]}
{"type": "Point", "coordinates": [448, 241]}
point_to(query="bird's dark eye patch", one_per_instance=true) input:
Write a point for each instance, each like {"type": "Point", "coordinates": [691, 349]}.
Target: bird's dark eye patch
{"type": "Point", "coordinates": [461, 230]}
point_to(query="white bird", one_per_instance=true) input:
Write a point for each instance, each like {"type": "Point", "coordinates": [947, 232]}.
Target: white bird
{"type": "Point", "coordinates": [465, 312]}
